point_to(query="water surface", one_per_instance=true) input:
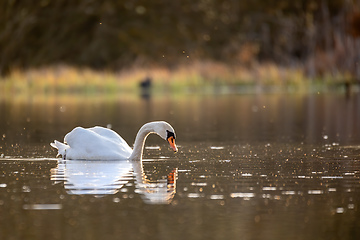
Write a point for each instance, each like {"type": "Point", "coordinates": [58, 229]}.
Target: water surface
{"type": "Point", "coordinates": [248, 167]}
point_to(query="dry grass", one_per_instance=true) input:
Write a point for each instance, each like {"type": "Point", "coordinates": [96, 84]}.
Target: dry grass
{"type": "Point", "coordinates": [199, 76]}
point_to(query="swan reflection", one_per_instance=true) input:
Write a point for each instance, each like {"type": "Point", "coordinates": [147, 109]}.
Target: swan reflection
{"type": "Point", "coordinates": [160, 192]}
{"type": "Point", "coordinates": [108, 177]}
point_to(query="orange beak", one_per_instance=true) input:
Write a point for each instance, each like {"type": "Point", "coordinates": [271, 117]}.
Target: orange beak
{"type": "Point", "coordinates": [171, 141]}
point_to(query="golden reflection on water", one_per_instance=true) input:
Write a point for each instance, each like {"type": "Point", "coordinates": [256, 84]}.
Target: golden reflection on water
{"type": "Point", "coordinates": [313, 118]}
{"type": "Point", "coordinates": [251, 190]}
{"type": "Point", "coordinates": [251, 166]}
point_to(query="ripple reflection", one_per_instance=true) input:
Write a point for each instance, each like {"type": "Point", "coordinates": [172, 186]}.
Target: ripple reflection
{"type": "Point", "coordinates": [101, 178]}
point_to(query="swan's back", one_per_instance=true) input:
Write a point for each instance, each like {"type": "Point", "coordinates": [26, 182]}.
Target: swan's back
{"type": "Point", "coordinates": [96, 143]}
{"type": "Point", "coordinates": [109, 134]}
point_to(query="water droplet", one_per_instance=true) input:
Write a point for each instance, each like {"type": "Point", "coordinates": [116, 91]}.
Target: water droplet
{"type": "Point", "coordinates": [62, 109]}
{"type": "Point", "coordinates": [124, 190]}
{"type": "Point", "coordinates": [26, 189]}
{"type": "Point", "coordinates": [340, 210]}
{"type": "Point", "coordinates": [140, 10]}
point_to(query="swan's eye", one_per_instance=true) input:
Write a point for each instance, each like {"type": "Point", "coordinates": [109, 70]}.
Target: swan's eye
{"type": "Point", "coordinates": [169, 135]}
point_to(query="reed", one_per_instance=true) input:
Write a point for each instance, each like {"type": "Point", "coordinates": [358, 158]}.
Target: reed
{"type": "Point", "coordinates": [195, 77]}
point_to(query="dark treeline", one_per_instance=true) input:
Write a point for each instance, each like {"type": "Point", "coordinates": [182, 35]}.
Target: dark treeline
{"type": "Point", "coordinates": [321, 35]}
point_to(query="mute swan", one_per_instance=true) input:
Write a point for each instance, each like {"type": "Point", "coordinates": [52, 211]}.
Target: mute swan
{"type": "Point", "coordinates": [105, 144]}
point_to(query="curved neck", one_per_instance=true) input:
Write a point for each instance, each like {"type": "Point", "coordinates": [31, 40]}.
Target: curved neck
{"type": "Point", "coordinates": [140, 141]}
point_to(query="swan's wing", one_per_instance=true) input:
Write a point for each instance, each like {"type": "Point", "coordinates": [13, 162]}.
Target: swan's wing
{"type": "Point", "coordinates": [88, 144]}
{"type": "Point", "coordinates": [76, 137]}
{"type": "Point", "coordinates": [109, 134]}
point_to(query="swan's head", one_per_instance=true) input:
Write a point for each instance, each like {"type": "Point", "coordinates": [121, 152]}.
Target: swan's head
{"type": "Point", "coordinates": [167, 132]}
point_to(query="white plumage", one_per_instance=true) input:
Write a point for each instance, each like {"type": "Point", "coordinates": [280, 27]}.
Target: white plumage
{"type": "Point", "coordinates": [98, 143]}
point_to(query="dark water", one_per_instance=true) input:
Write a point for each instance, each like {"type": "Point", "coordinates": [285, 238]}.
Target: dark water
{"type": "Point", "coordinates": [248, 167]}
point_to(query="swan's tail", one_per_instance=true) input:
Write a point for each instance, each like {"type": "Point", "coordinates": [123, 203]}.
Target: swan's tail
{"type": "Point", "coordinates": [61, 147]}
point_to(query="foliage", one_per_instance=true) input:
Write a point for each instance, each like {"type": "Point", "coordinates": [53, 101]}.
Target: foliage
{"type": "Point", "coordinates": [117, 34]}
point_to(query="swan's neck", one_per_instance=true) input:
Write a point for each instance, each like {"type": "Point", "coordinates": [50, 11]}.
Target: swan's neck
{"type": "Point", "coordinates": [140, 141]}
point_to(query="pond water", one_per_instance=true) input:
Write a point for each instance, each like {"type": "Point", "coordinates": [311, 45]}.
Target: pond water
{"type": "Point", "coordinates": [273, 166]}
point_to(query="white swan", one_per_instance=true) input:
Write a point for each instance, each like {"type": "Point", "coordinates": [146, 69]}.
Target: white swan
{"type": "Point", "coordinates": [98, 143]}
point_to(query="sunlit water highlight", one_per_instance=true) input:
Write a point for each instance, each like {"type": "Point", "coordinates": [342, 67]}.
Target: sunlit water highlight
{"type": "Point", "coordinates": [286, 171]}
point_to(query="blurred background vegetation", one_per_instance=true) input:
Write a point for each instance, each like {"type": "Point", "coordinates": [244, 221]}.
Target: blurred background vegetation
{"type": "Point", "coordinates": [205, 40]}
